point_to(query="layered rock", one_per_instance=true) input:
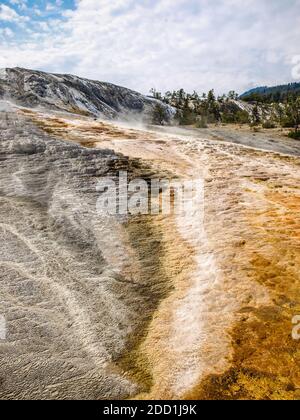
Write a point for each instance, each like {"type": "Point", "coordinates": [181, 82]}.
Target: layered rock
{"type": "Point", "coordinates": [77, 95]}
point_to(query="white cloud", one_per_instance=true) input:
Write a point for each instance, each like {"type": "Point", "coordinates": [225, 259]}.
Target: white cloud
{"type": "Point", "coordinates": [22, 4]}
{"type": "Point", "coordinates": [7, 32]}
{"type": "Point", "coordinates": [37, 11]}
{"type": "Point", "coordinates": [50, 7]}
{"type": "Point", "coordinates": [44, 26]}
{"type": "Point", "coordinates": [167, 44]}
{"type": "Point", "coordinates": [8, 14]}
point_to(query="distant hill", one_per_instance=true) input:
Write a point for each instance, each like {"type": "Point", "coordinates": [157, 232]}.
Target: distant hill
{"type": "Point", "coordinates": [271, 94]}
{"type": "Point", "coordinates": [75, 94]}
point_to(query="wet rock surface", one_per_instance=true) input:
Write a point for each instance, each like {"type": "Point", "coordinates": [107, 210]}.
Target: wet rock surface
{"type": "Point", "coordinates": [66, 295]}
{"type": "Point", "coordinates": [144, 307]}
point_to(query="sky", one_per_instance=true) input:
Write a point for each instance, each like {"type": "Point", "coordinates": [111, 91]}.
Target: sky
{"type": "Point", "coordinates": [161, 44]}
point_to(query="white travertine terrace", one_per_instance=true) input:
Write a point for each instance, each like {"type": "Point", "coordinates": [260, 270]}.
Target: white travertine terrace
{"type": "Point", "coordinates": [144, 307]}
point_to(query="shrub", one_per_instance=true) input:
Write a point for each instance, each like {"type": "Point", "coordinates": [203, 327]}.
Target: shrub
{"type": "Point", "coordinates": [294, 135]}
{"type": "Point", "coordinates": [201, 123]}
{"type": "Point", "coordinates": [159, 115]}
{"type": "Point", "coordinates": [287, 123]}
{"type": "Point", "coordinates": [228, 118]}
{"type": "Point", "coordinates": [187, 118]}
{"type": "Point", "coordinates": [242, 117]}
{"type": "Point", "coordinates": [269, 125]}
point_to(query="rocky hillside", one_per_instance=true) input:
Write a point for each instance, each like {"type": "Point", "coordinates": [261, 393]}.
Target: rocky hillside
{"type": "Point", "coordinates": [74, 94]}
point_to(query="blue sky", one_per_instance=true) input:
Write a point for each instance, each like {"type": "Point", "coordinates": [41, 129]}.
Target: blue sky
{"type": "Point", "coordinates": [39, 10]}
{"type": "Point", "coordinates": [166, 44]}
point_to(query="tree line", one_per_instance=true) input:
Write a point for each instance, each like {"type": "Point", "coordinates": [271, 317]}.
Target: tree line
{"type": "Point", "coordinates": [273, 94]}
{"type": "Point", "coordinates": [200, 110]}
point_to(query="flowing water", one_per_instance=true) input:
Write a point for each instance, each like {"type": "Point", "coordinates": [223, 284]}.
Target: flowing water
{"type": "Point", "coordinates": [209, 299]}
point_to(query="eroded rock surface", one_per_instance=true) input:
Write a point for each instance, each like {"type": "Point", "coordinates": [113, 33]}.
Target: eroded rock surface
{"type": "Point", "coordinates": [78, 95]}
{"type": "Point", "coordinates": [145, 307]}
{"type": "Point", "coordinates": [69, 289]}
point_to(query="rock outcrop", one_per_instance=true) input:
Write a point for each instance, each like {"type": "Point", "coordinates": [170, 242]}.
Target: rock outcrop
{"type": "Point", "coordinates": [69, 93]}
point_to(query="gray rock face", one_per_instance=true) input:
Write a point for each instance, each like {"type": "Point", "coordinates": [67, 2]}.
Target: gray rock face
{"type": "Point", "coordinates": [68, 306]}
{"type": "Point", "coordinates": [74, 94]}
